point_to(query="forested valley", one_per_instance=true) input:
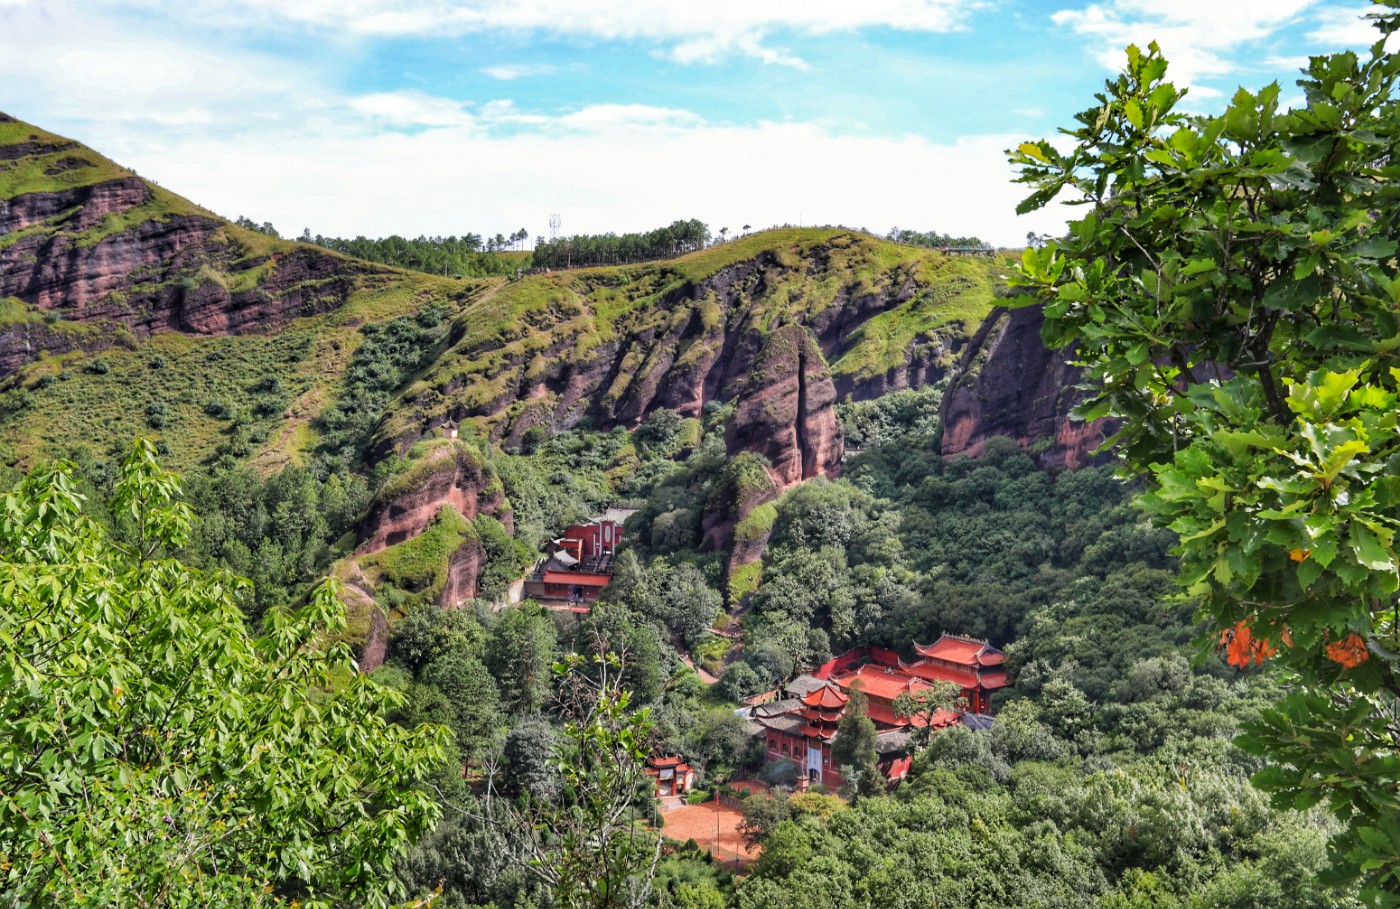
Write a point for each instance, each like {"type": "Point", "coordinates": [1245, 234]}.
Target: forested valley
{"type": "Point", "coordinates": [1108, 779]}
{"type": "Point", "coordinates": [1144, 476]}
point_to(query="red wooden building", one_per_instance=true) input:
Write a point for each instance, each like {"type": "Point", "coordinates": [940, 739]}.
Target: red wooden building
{"type": "Point", "coordinates": [579, 566]}
{"type": "Point", "coordinates": [975, 666]}
{"type": "Point", "coordinates": [673, 776]}
{"type": "Point", "coordinates": [801, 727]}
{"type": "Point", "coordinates": [802, 730]}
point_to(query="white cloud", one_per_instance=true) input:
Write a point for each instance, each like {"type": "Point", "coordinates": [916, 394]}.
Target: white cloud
{"type": "Point", "coordinates": [1198, 37]}
{"type": "Point", "coordinates": [602, 117]}
{"type": "Point", "coordinates": [509, 71]}
{"type": "Point", "coordinates": [1344, 27]}
{"type": "Point", "coordinates": [243, 132]}
{"type": "Point", "coordinates": [412, 109]}
{"type": "Point", "coordinates": [609, 168]}
{"type": "Point", "coordinates": [73, 64]}
{"type": "Point", "coordinates": [691, 32]}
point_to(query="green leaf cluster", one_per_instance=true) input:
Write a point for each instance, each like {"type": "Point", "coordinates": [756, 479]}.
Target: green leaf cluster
{"type": "Point", "coordinates": [152, 752]}
{"type": "Point", "coordinates": [1232, 287]}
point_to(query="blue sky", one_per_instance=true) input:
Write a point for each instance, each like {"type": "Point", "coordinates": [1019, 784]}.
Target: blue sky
{"type": "Point", "coordinates": [447, 116]}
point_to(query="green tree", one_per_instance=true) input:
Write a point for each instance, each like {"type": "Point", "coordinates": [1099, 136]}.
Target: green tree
{"type": "Point", "coordinates": [762, 815]}
{"type": "Point", "coordinates": [588, 847]}
{"type": "Point", "coordinates": [925, 704]}
{"type": "Point", "coordinates": [1233, 290]}
{"type": "Point", "coordinates": [853, 750]}
{"type": "Point", "coordinates": [473, 697]}
{"type": "Point", "coordinates": [520, 652]}
{"type": "Point", "coordinates": [529, 762]}
{"type": "Point", "coordinates": [152, 753]}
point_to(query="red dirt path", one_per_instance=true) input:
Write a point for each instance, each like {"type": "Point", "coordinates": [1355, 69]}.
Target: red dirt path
{"type": "Point", "coordinates": [697, 822]}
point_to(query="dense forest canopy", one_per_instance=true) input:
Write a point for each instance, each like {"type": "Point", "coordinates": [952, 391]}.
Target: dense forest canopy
{"type": "Point", "coordinates": [676, 239]}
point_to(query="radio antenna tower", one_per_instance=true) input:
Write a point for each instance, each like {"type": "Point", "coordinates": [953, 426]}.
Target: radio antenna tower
{"type": "Point", "coordinates": [554, 222]}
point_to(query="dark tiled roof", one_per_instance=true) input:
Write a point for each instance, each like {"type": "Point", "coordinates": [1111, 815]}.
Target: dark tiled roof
{"type": "Point", "coordinates": [776, 708]}
{"type": "Point", "coordinates": [788, 722]}
{"type": "Point", "coordinates": [892, 741]}
{"type": "Point", "coordinates": [803, 685]}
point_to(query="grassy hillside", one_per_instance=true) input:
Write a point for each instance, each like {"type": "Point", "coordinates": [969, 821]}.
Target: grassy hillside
{"type": "Point", "coordinates": [633, 322]}
{"type": "Point", "coordinates": [50, 162]}
{"type": "Point", "coordinates": [251, 395]}
{"type": "Point", "coordinates": [618, 337]}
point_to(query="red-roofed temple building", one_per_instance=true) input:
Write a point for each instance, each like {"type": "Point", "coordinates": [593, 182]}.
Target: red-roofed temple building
{"type": "Point", "coordinates": [579, 565]}
{"type": "Point", "coordinates": [975, 666]}
{"type": "Point", "coordinates": [672, 775]}
{"type": "Point", "coordinates": [801, 727]}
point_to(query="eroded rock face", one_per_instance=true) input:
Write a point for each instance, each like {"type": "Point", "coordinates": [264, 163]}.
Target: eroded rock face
{"type": "Point", "coordinates": [784, 431]}
{"type": "Point", "coordinates": [92, 203]}
{"type": "Point", "coordinates": [172, 273]}
{"type": "Point", "coordinates": [450, 473]}
{"type": "Point", "coordinates": [745, 484]}
{"type": "Point", "coordinates": [786, 411]}
{"type": "Point", "coordinates": [1010, 384]}
{"type": "Point", "coordinates": [463, 574]}
{"type": "Point", "coordinates": [696, 344]}
{"type": "Point", "coordinates": [371, 635]}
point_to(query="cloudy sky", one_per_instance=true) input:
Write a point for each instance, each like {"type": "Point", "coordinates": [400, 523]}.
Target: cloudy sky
{"type": "Point", "coordinates": [448, 116]}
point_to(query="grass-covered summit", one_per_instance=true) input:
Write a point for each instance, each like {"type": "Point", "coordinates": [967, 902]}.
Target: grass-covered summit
{"type": "Point", "coordinates": [608, 345]}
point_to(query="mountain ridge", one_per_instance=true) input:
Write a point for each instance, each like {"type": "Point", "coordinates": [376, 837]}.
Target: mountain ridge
{"type": "Point", "coordinates": [127, 310]}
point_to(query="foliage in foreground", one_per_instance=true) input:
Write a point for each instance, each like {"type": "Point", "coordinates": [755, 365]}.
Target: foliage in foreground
{"type": "Point", "coordinates": [584, 841]}
{"type": "Point", "coordinates": [1233, 288]}
{"type": "Point", "coordinates": [156, 755]}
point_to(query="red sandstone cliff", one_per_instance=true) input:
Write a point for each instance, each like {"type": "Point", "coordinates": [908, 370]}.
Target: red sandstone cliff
{"type": "Point", "coordinates": [786, 411]}
{"type": "Point", "coordinates": [784, 431]}
{"type": "Point", "coordinates": [102, 245]}
{"type": "Point", "coordinates": [447, 473]}
{"type": "Point", "coordinates": [1010, 384]}
{"type": "Point", "coordinates": [695, 343]}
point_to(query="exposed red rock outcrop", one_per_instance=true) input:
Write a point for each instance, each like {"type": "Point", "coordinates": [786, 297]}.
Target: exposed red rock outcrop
{"type": "Point", "coordinates": [463, 573]}
{"type": "Point", "coordinates": [1010, 384]}
{"type": "Point", "coordinates": [694, 345]}
{"type": "Point", "coordinates": [786, 411]}
{"type": "Point", "coordinates": [449, 473]}
{"type": "Point", "coordinates": [89, 204]}
{"type": "Point", "coordinates": [170, 272]}
{"type": "Point", "coordinates": [367, 628]}
{"type": "Point", "coordinates": [376, 644]}
{"type": "Point", "coordinates": [745, 484]}
{"type": "Point", "coordinates": [21, 343]}
{"type": "Point", "coordinates": [784, 431]}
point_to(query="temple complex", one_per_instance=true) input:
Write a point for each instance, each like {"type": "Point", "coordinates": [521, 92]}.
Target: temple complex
{"type": "Point", "coordinates": [801, 723]}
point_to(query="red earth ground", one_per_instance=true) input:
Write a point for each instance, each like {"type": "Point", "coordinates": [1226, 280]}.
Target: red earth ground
{"type": "Point", "coordinates": [700, 822]}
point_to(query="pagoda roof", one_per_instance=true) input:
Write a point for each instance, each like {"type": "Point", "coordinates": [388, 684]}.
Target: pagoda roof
{"type": "Point", "coordinates": [826, 697]}
{"type": "Point", "coordinates": [964, 651]}
{"type": "Point", "coordinates": [882, 683]}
